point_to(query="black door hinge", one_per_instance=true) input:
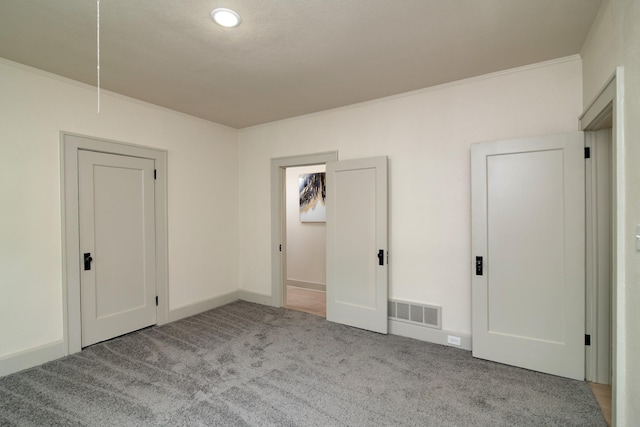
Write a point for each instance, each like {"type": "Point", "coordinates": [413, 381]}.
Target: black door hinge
{"type": "Point", "coordinates": [280, 248]}
{"type": "Point", "coordinates": [156, 300]}
{"type": "Point", "coordinates": [587, 340]}
{"type": "Point", "coordinates": [155, 174]}
{"type": "Point", "coordinates": [587, 152]}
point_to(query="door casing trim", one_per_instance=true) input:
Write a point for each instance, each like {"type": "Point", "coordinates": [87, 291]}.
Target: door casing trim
{"type": "Point", "coordinates": [278, 166]}
{"type": "Point", "coordinates": [611, 97]}
{"type": "Point", "coordinates": [70, 144]}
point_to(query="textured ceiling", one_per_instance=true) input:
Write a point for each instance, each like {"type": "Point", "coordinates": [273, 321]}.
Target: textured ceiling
{"type": "Point", "coordinates": [288, 57]}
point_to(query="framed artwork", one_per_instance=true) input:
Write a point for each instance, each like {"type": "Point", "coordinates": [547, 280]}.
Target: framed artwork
{"type": "Point", "coordinates": [313, 191]}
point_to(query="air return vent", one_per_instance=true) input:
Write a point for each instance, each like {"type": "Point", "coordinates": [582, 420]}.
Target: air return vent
{"type": "Point", "coordinates": [418, 314]}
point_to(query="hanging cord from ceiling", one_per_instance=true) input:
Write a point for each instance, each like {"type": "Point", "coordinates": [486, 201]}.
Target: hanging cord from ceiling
{"type": "Point", "coordinates": [98, 50]}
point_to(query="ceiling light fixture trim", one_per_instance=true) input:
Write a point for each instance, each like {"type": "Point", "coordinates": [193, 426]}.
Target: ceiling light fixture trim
{"type": "Point", "coordinates": [225, 17]}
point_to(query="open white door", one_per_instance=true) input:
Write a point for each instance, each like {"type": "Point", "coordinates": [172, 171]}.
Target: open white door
{"type": "Point", "coordinates": [357, 243]}
{"type": "Point", "coordinates": [117, 243]}
{"type": "Point", "coordinates": [528, 243]}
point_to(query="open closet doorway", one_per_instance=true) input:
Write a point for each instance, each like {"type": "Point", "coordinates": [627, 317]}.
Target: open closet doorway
{"type": "Point", "coordinates": [304, 284]}
{"type": "Point", "coordinates": [602, 122]}
{"type": "Point", "coordinates": [599, 265]}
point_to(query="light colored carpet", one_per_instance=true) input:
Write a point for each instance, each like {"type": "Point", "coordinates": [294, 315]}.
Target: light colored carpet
{"type": "Point", "coordinates": [249, 365]}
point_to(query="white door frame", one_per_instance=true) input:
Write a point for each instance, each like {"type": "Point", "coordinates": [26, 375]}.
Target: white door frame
{"type": "Point", "coordinates": [278, 212]}
{"type": "Point", "coordinates": [610, 100]}
{"type": "Point", "coordinates": [70, 144]}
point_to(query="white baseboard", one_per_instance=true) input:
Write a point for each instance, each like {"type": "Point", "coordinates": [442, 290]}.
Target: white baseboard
{"type": "Point", "coordinates": [255, 297]}
{"type": "Point", "coordinates": [306, 285]}
{"type": "Point", "coordinates": [436, 336]}
{"type": "Point", "coordinates": [202, 306]}
{"type": "Point", "coordinates": [32, 357]}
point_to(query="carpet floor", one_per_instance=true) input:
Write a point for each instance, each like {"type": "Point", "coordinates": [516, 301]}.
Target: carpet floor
{"type": "Point", "coordinates": [250, 365]}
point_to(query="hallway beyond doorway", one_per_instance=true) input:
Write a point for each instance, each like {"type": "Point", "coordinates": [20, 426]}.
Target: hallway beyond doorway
{"type": "Point", "coordinates": [307, 300]}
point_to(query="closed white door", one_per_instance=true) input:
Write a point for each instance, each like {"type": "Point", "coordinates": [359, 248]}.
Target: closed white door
{"type": "Point", "coordinates": [117, 245]}
{"type": "Point", "coordinates": [357, 243]}
{"type": "Point", "coordinates": [528, 243]}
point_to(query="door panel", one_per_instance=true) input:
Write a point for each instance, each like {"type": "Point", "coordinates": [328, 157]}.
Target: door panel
{"type": "Point", "coordinates": [528, 225]}
{"type": "Point", "coordinates": [356, 232]}
{"type": "Point", "coordinates": [117, 227]}
{"type": "Point", "coordinates": [519, 197]}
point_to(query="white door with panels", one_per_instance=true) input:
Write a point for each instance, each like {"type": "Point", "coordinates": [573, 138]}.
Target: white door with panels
{"type": "Point", "coordinates": [117, 245]}
{"type": "Point", "coordinates": [357, 243]}
{"type": "Point", "coordinates": [528, 249]}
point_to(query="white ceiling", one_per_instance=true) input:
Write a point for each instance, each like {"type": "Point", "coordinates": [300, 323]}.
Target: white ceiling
{"type": "Point", "coordinates": [288, 57]}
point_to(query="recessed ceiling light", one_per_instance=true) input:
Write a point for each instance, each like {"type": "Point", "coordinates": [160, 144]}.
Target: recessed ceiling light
{"type": "Point", "coordinates": [225, 17]}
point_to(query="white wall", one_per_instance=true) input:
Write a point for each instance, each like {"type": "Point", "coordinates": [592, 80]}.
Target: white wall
{"type": "Point", "coordinates": [614, 40]}
{"type": "Point", "coordinates": [427, 135]}
{"type": "Point", "coordinates": [601, 52]}
{"type": "Point", "coordinates": [202, 196]}
{"type": "Point", "coordinates": [306, 241]}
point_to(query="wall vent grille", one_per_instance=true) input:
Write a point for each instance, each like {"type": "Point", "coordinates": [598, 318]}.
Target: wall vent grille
{"type": "Point", "coordinates": [417, 314]}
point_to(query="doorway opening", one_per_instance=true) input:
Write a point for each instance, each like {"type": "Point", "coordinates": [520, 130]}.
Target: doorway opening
{"type": "Point", "coordinates": [304, 285]}
{"type": "Point", "coordinates": [598, 309]}
{"type": "Point", "coordinates": [598, 256]}
{"type": "Point", "coordinates": [301, 290]}
{"type": "Point", "coordinates": [602, 122]}
{"type": "Point", "coordinates": [357, 238]}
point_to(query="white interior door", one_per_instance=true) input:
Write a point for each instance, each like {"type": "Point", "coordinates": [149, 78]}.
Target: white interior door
{"type": "Point", "coordinates": [117, 241]}
{"type": "Point", "coordinates": [528, 225]}
{"type": "Point", "coordinates": [357, 243]}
